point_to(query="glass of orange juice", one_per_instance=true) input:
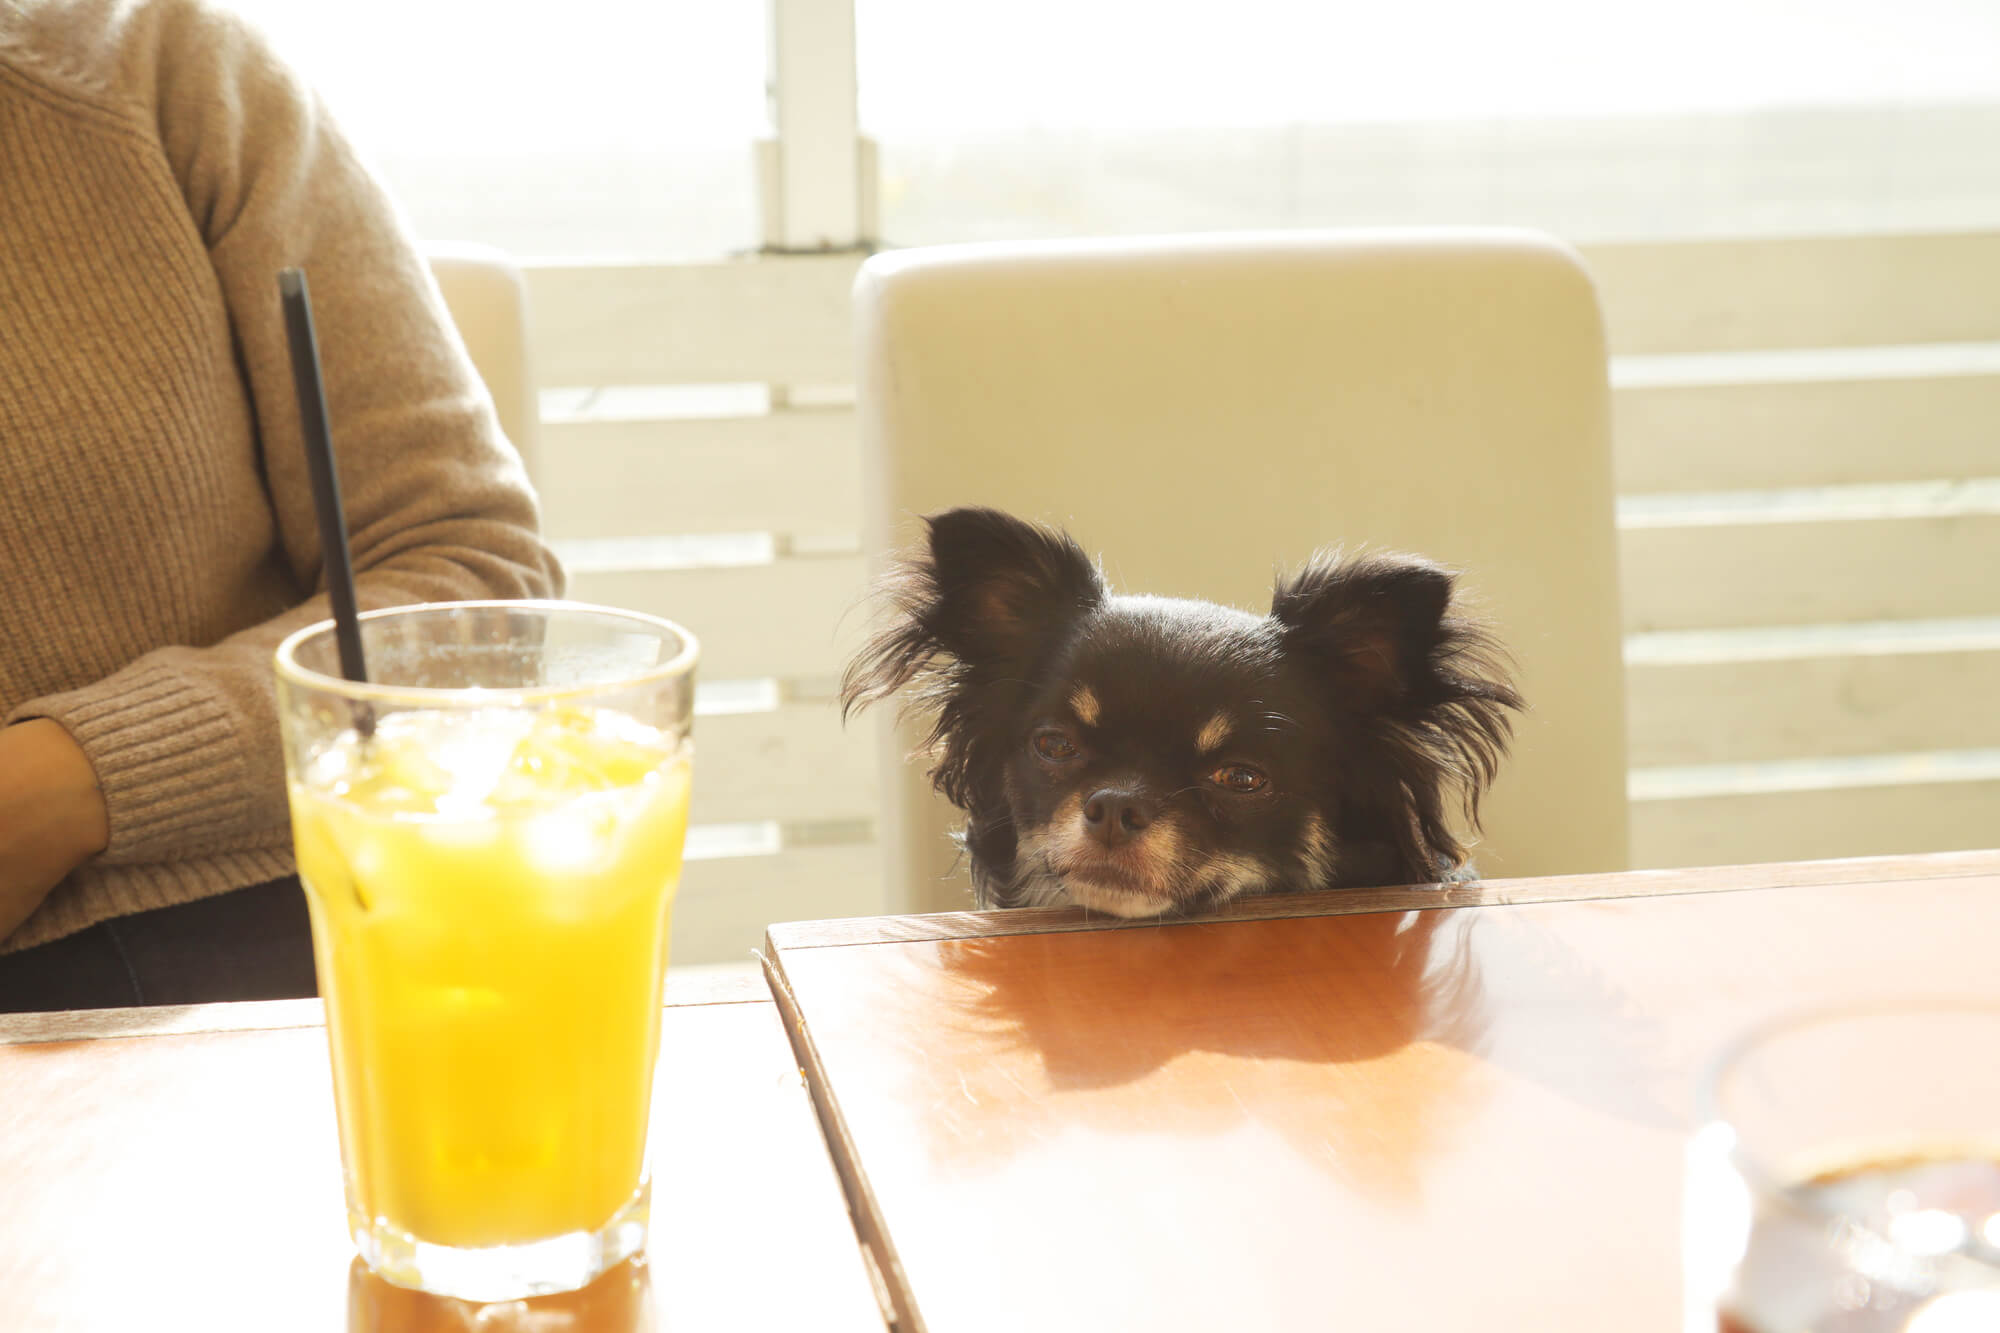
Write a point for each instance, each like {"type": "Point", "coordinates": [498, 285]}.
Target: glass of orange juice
{"type": "Point", "coordinates": [489, 831]}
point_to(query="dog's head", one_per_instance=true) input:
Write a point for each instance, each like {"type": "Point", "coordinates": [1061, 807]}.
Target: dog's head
{"type": "Point", "coordinates": [1138, 755]}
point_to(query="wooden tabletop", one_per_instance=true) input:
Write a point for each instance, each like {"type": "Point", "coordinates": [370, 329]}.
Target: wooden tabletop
{"type": "Point", "coordinates": [179, 1169]}
{"type": "Point", "coordinates": [1332, 1110]}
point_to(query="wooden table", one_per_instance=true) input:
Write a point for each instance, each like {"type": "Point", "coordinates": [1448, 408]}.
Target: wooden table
{"type": "Point", "coordinates": [1328, 1111]}
{"type": "Point", "coordinates": [178, 1169]}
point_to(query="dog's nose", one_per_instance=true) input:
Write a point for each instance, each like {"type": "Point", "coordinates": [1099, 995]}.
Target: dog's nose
{"type": "Point", "coordinates": [1112, 815]}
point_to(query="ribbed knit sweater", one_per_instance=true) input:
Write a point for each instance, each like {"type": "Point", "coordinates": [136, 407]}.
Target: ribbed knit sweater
{"type": "Point", "coordinates": [158, 166]}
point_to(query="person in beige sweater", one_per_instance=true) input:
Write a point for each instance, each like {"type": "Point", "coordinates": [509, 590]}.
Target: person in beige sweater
{"type": "Point", "coordinates": [158, 166]}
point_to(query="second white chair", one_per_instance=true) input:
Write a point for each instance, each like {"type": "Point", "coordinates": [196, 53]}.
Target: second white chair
{"type": "Point", "coordinates": [1204, 410]}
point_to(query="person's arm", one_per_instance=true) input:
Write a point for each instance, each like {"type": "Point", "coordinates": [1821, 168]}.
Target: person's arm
{"type": "Point", "coordinates": [52, 816]}
{"type": "Point", "coordinates": [183, 742]}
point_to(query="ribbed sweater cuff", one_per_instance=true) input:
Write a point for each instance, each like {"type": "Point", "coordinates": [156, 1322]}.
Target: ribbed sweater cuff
{"type": "Point", "coordinates": [168, 758]}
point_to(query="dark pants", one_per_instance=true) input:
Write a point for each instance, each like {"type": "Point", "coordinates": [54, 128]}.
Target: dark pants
{"type": "Point", "coordinates": [253, 944]}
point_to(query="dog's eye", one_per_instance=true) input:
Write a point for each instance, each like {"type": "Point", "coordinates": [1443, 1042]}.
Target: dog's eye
{"type": "Point", "coordinates": [1054, 746]}
{"type": "Point", "coordinates": [1239, 778]}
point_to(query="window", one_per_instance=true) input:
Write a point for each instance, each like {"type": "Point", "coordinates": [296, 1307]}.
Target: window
{"type": "Point", "coordinates": [1593, 120]}
{"type": "Point", "coordinates": [585, 128]}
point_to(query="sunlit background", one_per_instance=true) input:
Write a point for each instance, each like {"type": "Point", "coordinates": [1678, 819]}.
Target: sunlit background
{"type": "Point", "coordinates": [1804, 365]}
{"type": "Point", "coordinates": [622, 127]}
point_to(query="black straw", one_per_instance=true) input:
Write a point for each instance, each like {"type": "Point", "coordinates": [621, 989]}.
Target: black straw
{"type": "Point", "coordinates": [311, 392]}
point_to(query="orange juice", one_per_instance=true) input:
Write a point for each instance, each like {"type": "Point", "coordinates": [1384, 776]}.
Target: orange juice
{"type": "Point", "coordinates": [490, 896]}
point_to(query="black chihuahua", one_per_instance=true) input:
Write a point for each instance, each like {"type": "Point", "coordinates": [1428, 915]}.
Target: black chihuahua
{"type": "Point", "coordinates": [1141, 755]}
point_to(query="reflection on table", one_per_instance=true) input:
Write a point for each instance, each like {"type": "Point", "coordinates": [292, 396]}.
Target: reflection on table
{"type": "Point", "coordinates": [1423, 1109]}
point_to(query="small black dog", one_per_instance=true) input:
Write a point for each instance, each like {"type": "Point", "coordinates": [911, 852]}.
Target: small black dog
{"type": "Point", "coordinates": [1139, 755]}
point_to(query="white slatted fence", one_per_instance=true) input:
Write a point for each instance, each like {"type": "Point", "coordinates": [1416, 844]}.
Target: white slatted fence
{"type": "Point", "coordinates": [1808, 436]}
{"type": "Point", "coordinates": [694, 464]}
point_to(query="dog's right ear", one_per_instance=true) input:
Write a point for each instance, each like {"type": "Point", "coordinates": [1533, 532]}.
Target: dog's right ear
{"type": "Point", "coordinates": [989, 598]}
{"type": "Point", "coordinates": [1006, 590]}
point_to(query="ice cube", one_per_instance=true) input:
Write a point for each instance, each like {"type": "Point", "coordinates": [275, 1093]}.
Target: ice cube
{"type": "Point", "coordinates": [578, 837]}
{"type": "Point", "coordinates": [571, 751]}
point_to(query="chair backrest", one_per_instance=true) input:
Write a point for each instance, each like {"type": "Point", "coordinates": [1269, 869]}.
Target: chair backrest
{"type": "Point", "coordinates": [1203, 410]}
{"type": "Point", "coordinates": [487, 299]}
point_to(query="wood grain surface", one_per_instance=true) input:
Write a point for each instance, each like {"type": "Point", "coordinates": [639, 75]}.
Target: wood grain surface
{"type": "Point", "coordinates": [1469, 1117]}
{"type": "Point", "coordinates": [192, 1180]}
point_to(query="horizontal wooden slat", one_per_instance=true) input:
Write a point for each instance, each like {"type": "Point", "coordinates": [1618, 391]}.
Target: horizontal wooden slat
{"type": "Point", "coordinates": [777, 319]}
{"type": "Point", "coordinates": [794, 618]}
{"type": "Point", "coordinates": [784, 318]}
{"type": "Point", "coordinates": [1812, 706]}
{"type": "Point", "coordinates": [790, 472]}
{"type": "Point", "coordinates": [725, 905]}
{"type": "Point", "coordinates": [1826, 822]}
{"type": "Point", "coordinates": [1810, 572]}
{"type": "Point", "coordinates": [794, 764]}
{"type": "Point", "coordinates": [1718, 437]}
{"type": "Point", "coordinates": [1823, 291]}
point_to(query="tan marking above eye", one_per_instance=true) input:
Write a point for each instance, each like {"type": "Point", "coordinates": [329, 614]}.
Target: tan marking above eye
{"type": "Point", "coordinates": [1212, 735]}
{"type": "Point", "coordinates": [1084, 704]}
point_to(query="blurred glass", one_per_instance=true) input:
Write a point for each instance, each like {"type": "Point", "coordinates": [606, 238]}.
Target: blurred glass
{"type": "Point", "coordinates": [1845, 1176]}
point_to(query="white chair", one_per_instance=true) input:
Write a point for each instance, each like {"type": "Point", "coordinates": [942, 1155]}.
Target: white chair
{"type": "Point", "coordinates": [1202, 410]}
{"type": "Point", "coordinates": [487, 299]}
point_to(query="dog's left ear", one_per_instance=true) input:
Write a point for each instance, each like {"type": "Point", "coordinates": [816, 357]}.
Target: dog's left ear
{"type": "Point", "coordinates": [1380, 623]}
{"type": "Point", "coordinates": [1427, 687]}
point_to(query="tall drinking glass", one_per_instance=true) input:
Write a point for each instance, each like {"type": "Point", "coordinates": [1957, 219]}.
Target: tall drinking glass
{"type": "Point", "coordinates": [489, 830]}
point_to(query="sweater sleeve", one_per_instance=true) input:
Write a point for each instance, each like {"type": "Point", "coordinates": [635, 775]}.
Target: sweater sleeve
{"type": "Point", "coordinates": [185, 739]}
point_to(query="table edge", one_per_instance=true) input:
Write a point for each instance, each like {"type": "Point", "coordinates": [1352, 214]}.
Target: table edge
{"type": "Point", "coordinates": [179, 1020]}
{"type": "Point", "coordinates": [843, 932]}
{"type": "Point", "coordinates": [885, 1266]}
